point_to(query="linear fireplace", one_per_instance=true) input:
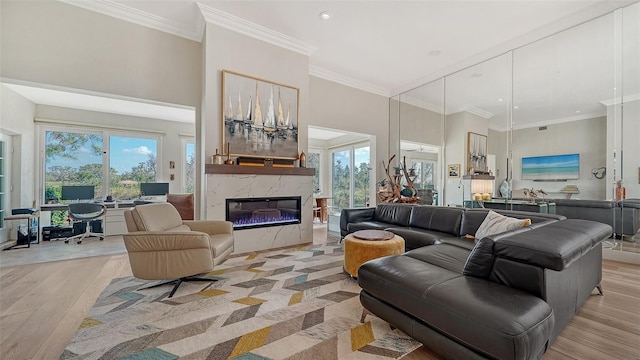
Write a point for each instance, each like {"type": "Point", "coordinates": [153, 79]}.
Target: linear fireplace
{"type": "Point", "coordinates": [249, 213]}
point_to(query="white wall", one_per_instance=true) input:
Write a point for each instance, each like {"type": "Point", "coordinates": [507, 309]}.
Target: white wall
{"type": "Point", "coordinates": [53, 43]}
{"type": "Point", "coordinates": [584, 137]}
{"type": "Point", "coordinates": [16, 119]}
{"type": "Point", "coordinates": [336, 106]}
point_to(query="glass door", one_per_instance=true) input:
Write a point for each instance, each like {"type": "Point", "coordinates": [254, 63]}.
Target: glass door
{"type": "Point", "coordinates": [350, 181]}
{"type": "Point", "coordinates": [4, 184]}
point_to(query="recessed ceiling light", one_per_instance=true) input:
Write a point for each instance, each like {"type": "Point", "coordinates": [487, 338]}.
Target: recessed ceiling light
{"type": "Point", "coordinates": [500, 99]}
{"type": "Point", "coordinates": [577, 111]}
{"type": "Point", "coordinates": [516, 107]}
{"type": "Point", "coordinates": [325, 15]}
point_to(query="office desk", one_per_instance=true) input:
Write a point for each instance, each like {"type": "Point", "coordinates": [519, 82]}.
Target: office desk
{"type": "Point", "coordinates": [29, 218]}
{"type": "Point", "coordinates": [114, 223]}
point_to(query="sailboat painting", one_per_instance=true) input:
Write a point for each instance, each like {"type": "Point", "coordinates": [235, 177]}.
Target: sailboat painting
{"type": "Point", "coordinates": [263, 130]}
{"type": "Point", "coordinates": [477, 153]}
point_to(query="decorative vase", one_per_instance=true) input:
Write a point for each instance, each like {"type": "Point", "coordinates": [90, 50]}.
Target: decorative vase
{"type": "Point", "coordinates": [303, 160]}
{"type": "Point", "coordinates": [216, 158]}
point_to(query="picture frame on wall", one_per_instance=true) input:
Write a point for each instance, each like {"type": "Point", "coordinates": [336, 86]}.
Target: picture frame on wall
{"type": "Point", "coordinates": [477, 153]}
{"type": "Point", "coordinates": [453, 170]}
{"type": "Point", "coordinates": [260, 117]}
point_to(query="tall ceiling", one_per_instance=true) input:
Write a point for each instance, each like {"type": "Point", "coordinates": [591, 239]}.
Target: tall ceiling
{"type": "Point", "coordinates": [385, 46]}
{"type": "Point", "coordinates": [388, 47]}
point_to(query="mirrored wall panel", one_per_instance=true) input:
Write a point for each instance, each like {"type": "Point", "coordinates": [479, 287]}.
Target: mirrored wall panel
{"type": "Point", "coordinates": [552, 126]}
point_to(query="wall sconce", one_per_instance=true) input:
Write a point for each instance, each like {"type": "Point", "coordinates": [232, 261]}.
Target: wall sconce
{"type": "Point", "coordinates": [481, 186]}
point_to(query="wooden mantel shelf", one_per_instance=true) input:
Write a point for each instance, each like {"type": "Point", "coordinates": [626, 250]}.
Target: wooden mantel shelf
{"type": "Point", "coordinates": [257, 170]}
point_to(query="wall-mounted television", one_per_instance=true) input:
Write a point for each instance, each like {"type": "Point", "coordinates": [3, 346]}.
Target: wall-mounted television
{"type": "Point", "coordinates": [551, 167]}
{"type": "Point", "coordinates": [154, 189]}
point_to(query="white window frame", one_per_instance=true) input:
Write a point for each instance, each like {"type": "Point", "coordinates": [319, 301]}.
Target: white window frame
{"type": "Point", "coordinates": [185, 141]}
{"type": "Point", "coordinates": [106, 133]}
{"type": "Point", "coordinates": [351, 147]}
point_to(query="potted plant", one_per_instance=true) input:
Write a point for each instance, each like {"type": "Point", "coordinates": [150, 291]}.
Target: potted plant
{"type": "Point", "coordinates": [382, 185]}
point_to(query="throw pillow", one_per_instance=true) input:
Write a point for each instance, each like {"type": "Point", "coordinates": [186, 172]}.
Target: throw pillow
{"type": "Point", "coordinates": [495, 223]}
{"type": "Point", "coordinates": [480, 260]}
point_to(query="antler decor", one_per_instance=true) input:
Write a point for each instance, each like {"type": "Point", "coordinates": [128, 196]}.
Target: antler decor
{"type": "Point", "coordinates": [393, 194]}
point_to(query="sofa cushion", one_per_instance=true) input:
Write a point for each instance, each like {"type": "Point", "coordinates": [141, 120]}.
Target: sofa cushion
{"type": "Point", "coordinates": [459, 241]}
{"type": "Point", "coordinates": [156, 217]}
{"type": "Point", "coordinates": [437, 218]}
{"type": "Point", "coordinates": [480, 260]}
{"type": "Point", "coordinates": [495, 223]}
{"type": "Point", "coordinates": [415, 237]}
{"type": "Point", "coordinates": [367, 225]}
{"type": "Point", "coordinates": [394, 214]}
{"type": "Point", "coordinates": [554, 246]}
{"type": "Point", "coordinates": [446, 256]}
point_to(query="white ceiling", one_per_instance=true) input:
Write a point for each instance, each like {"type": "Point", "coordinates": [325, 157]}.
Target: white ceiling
{"type": "Point", "coordinates": [384, 47]}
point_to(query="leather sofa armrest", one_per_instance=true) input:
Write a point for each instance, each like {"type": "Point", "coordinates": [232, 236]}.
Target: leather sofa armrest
{"type": "Point", "coordinates": [151, 241]}
{"type": "Point", "coordinates": [355, 215]}
{"type": "Point", "coordinates": [211, 226]}
{"type": "Point", "coordinates": [554, 246]}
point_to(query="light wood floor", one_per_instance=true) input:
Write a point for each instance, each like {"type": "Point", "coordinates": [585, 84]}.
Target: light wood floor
{"type": "Point", "coordinates": [42, 305]}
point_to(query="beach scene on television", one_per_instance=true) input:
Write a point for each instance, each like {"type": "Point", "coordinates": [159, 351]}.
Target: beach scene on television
{"type": "Point", "coordinates": [551, 167]}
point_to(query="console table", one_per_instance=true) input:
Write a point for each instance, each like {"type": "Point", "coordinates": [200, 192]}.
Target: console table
{"type": "Point", "coordinates": [518, 205]}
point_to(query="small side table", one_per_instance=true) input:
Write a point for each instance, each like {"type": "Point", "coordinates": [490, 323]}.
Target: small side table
{"type": "Point", "coordinates": [29, 218]}
{"type": "Point", "coordinates": [364, 245]}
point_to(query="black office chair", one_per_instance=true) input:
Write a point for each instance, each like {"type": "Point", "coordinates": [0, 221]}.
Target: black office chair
{"type": "Point", "coordinates": [86, 212]}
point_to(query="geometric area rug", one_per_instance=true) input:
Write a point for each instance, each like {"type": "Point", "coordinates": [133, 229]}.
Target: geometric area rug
{"type": "Point", "coordinates": [294, 303]}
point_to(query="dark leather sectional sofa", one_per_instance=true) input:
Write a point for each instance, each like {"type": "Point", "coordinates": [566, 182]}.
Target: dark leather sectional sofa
{"type": "Point", "coordinates": [623, 216]}
{"type": "Point", "coordinates": [506, 296]}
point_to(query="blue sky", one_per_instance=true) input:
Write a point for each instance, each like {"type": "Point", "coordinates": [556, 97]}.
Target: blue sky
{"type": "Point", "coordinates": [360, 155]}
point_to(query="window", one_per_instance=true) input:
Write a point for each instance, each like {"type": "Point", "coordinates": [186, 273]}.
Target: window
{"type": "Point", "coordinates": [350, 181]}
{"type": "Point", "coordinates": [313, 161]}
{"type": "Point", "coordinates": [132, 161]}
{"type": "Point", "coordinates": [4, 180]}
{"type": "Point", "coordinates": [115, 164]}
{"type": "Point", "coordinates": [72, 158]}
{"type": "Point", "coordinates": [189, 184]}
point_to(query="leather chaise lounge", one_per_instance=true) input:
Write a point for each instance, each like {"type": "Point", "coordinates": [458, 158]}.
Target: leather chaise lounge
{"type": "Point", "coordinates": [504, 296]}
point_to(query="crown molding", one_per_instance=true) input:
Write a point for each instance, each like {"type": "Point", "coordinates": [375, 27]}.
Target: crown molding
{"type": "Point", "coordinates": [480, 112]}
{"type": "Point", "coordinates": [248, 28]}
{"type": "Point", "coordinates": [412, 100]}
{"type": "Point", "coordinates": [323, 73]}
{"type": "Point", "coordinates": [618, 100]}
{"type": "Point", "coordinates": [529, 125]}
{"type": "Point", "coordinates": [136, 16]}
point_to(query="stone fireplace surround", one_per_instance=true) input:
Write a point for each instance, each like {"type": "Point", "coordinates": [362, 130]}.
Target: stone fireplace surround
{"type": "Point", "coordinates": [235, 181]}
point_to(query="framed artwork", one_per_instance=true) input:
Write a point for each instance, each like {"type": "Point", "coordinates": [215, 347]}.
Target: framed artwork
{"type": "Point", "coordinates": [453, 170]}
{"type": "Point", "coordinates": [260, 117]}
{"type": "Point", "coordinates": [477, 153]}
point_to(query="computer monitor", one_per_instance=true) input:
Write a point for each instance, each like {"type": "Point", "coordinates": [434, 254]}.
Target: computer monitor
{"type": "Point", "coordinates": [154, 189]}
{"type": "Point", "coordinates": [83, 192]}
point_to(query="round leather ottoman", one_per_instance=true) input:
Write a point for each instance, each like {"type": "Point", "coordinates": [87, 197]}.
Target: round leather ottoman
{"type": "Point", "coordinates": [364, 245]}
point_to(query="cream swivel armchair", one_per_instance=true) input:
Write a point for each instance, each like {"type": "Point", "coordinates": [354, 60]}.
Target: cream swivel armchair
{"type": "Point", "coordinates": [161, 246]}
